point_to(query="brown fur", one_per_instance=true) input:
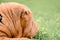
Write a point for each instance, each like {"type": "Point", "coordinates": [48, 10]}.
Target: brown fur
{"type": "Point", "coordinates": [17, 21]}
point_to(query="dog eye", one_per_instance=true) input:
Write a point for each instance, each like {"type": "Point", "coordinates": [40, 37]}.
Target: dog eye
{"type": "Point", "coordinates": [0, 18]}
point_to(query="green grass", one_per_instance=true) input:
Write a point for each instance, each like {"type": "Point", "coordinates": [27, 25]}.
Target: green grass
{"type": "Point", "coordinates": [47, 15]}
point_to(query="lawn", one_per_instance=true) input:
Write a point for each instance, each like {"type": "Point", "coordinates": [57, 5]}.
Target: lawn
{"type": "Point", "coordinates": [47, 15]}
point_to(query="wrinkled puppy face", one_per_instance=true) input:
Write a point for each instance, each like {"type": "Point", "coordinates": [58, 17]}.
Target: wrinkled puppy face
{"type": "Point", "coordinates": [18, 20]}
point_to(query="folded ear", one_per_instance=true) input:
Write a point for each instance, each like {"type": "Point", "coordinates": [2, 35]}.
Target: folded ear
{"type": "Point", "coordinates": [26, 21]}
{"type": "Point", "coordinates": [30, 27]}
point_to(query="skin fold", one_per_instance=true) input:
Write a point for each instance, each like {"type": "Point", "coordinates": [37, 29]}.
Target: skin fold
{"type": "Point", "coordinates": [16, 22]}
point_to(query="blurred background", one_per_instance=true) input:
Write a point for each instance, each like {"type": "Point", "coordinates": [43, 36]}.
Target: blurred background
{"type": "Point", "coordinates": [47, 15]}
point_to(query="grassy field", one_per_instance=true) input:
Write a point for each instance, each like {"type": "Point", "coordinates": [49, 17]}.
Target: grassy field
{"type": "Point", "coordinates": [47, 15]}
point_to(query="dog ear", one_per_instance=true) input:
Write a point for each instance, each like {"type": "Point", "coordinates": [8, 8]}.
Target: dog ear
{"type": "Point", "coordinates": [29, 27]}
{"type": "Point", "coordinates": [26, 19]}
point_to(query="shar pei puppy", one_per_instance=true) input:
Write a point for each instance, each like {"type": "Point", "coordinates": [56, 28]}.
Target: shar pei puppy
{"type": "Point", "coordinates": [16, 21]}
